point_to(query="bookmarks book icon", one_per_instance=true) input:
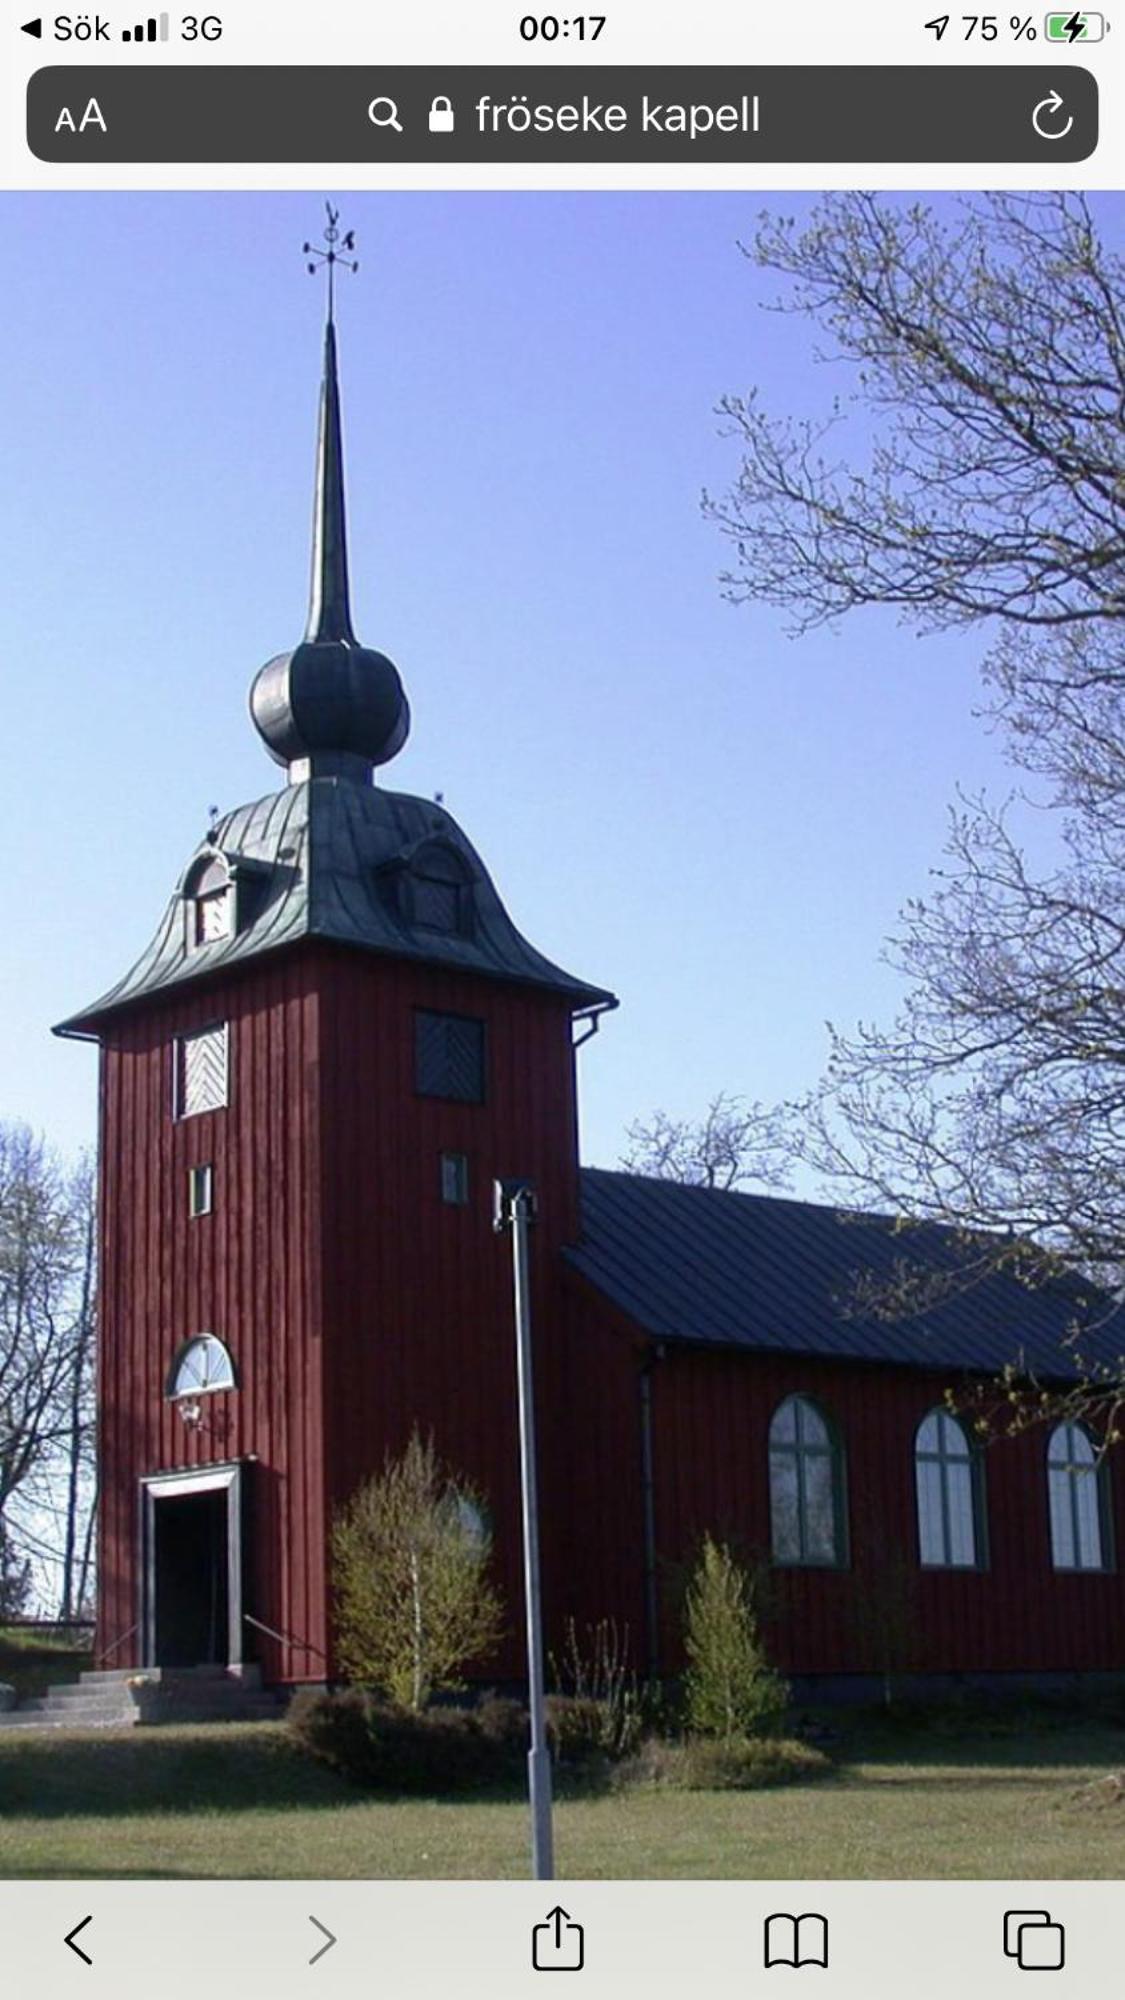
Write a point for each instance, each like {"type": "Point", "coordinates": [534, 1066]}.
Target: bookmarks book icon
{"type": "Point", "coordinates": [796, 1941]}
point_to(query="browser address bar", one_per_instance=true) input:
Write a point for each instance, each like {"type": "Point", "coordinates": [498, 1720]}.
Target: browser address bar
{"type": "Point", "coordinates": [83, 114]}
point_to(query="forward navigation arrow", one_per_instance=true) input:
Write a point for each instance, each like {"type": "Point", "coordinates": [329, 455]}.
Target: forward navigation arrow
{"type": "Point", "coordinates": [324, 1947]}
{"type": "Point", "coordinates": [77, 1948]}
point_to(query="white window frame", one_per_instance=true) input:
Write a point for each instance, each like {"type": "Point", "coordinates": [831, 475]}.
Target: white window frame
{"type": "Point", "coordinates": [179, 1059]}
{"type": "Point", "coordinates": [1063, 1475]}
{"type": "Point", "coordinates": [798, 1451]}
{"type": "Point", "coordinates": [176, 1394]}
{"type": "Point", "coordinates": [948, 1462]}
{"type": "Point", "coordinates": [201, 1178]}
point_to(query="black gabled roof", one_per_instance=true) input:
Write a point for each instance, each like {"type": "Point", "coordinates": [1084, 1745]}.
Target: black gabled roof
{"type": "Point", "coordinates": [773, 1276]}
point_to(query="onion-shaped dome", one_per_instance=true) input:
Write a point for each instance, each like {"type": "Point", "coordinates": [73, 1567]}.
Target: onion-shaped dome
{"type": "Point", "coordinates": [331, 707]}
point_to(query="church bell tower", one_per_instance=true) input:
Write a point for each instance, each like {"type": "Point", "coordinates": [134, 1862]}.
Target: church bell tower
{"type": "Point", "coordinates": [309, 1079]}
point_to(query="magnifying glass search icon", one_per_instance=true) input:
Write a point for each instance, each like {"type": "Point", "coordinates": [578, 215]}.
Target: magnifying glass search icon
{"type": "Point", "coordinates": [383, 112]}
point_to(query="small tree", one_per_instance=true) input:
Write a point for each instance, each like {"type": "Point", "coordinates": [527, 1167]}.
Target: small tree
{"type": "Point", "coordinates": [414, 1604]}
{"type": "Point", "coordinates": [731, 1690]}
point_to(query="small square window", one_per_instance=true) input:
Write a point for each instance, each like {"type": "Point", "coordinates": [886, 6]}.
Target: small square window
{"type": "Point", "coordinates": [201, 1190]}
{"type": "Point", "coordinates": [200, 1082]}
{"type": "Point", "coordinates": [449, 1056]}
{"type": "Point", "coordinates": [455, 1179]}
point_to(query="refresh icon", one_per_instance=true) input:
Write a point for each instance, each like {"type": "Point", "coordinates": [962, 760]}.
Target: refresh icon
{"type": "Point", "coordinates": [1046, 113]}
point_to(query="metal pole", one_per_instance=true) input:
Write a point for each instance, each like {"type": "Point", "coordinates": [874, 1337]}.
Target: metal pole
{"type": "Point", "coordinates": [515, 1209]}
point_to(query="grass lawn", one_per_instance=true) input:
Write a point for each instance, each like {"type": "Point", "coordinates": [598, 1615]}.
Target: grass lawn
{"type": "Point", "coordinates": [236, 1800]}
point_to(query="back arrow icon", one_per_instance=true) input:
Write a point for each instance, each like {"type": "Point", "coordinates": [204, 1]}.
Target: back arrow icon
{"type": "Point", "coordinates": [1051, 104]}
{"type": "Point", "coordinates": [324, 1947]}
{"type": "Point", "coordinates": [77, 1948]}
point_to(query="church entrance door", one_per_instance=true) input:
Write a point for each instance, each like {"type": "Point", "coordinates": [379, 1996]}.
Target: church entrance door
{"type": "Point", "coordinates": [193, 1568]}
{"type": "Point", "coordinates": [190, 1563]}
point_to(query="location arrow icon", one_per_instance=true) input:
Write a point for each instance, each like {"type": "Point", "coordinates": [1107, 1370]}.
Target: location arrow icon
{"type": "Point", "coordinates": [33, 28]}
{"type": "Point", "coordinates": [77, 1948]}
{"type": "Point", "coordinates": [324, 1947]}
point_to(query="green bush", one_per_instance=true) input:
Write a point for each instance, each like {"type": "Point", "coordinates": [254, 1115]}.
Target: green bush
{"type": "Point", "coordinates": [389, 1749]}
{"type": "Point", "coordinates": [411, 1557]}
{"type": "Point", "coordinates": [730, 1691]}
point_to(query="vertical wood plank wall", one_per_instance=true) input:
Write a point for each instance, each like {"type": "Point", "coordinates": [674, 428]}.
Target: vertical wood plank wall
{"type": "Point", "coordinates": [356, 1304]}
{"type": "Point", "coordinates": [248, 1272]}
{"type": "Point", "coordinates": [419, 1326]}
{"type": "Point", "coordinates": [711, 1414]}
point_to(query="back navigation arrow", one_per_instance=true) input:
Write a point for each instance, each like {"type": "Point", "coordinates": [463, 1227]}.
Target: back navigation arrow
{"type": "Point", "coordinates": [324, 1947]}
{"type": "Point", "coordinates": [33, 28]}
{"type": "Point", "coordinates": [77, 1948]}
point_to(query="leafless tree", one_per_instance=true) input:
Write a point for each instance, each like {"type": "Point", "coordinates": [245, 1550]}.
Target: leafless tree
{"type": "Point", "coordinates": [46, 1350]}
{"type": "Point", "coordinates": [986, 345]}
{"type": "Point", "coordinates": [735, 1144]}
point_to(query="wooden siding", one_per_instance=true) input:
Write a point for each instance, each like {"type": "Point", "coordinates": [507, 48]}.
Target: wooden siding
{"type": "Point", "coordinates": [248, 1272]}
{"type": "Point", "coordinates": [418, 1309]}
{"type": "Point", "coordinates": [883, 1611]}
{"type": "Point", "coordinates": [355, 1302]}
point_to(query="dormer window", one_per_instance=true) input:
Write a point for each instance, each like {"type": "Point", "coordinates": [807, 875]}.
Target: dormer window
{"type": "Point", "coordinates": [433, 890]}
{"type": "Point", "coordinates": [210, 903]}
{"type": "Point", "coordinates": [437, 903]}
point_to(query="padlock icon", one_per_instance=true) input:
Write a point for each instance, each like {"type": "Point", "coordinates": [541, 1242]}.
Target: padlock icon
{"type": "Point", "coordinates": [441, 115]}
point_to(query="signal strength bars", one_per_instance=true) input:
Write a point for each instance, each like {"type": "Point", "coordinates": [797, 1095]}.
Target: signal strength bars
{"type": "Point", "coordinates": [155, 29]}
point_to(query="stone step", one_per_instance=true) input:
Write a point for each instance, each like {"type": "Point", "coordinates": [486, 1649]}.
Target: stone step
{"type": "Point", "coordinates": [162, 1695]}
{"type": "Point", "coordinates": [249, 1676]}
{"type": "Point", "coordinates": [30, 1717]}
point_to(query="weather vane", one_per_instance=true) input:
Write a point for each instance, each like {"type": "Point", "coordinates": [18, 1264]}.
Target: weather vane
{"type": "Point", "coordinates": [332, 256]}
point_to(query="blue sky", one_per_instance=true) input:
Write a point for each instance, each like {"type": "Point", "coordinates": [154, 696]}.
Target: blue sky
{"type": "Point", "coordinates": [676, 799]}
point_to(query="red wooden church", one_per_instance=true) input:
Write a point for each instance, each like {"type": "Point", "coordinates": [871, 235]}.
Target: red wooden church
{"type": "Point", "coordinates": [334, 1043]}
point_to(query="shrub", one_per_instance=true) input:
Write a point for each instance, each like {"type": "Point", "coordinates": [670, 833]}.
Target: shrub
{"type": "Point", "coordinates": [504, 1721]}
{"type": "Point", "coordinates": [414, 1604]}
{"type": "Point", "coordinates": [706, 1764]}
{"type": "Point", "coordinates": [595, 1678]}
{"type": "Point", "coordinates": [400, 1750]}
{"type": "Point", "coordinates": [578, 1728]}
{"type": "Point", "coordinates": [730, 1690]}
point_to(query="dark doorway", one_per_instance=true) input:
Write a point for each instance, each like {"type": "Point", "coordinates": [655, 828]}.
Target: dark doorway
{"type": "Point", "coordinates": [192, 1578]}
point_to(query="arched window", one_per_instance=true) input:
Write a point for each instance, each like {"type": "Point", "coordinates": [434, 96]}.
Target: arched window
{"type": "Point", "coordinates": [210, 902]}
{"type": "Point", "coordinates": [950, 1512]}
{"type": "Point", "coordinates": [1076, 1495]}
{"type": "Point", "coordinates": [202, 1366]}
{"type": "Point", "coordinates": [806, 1486]}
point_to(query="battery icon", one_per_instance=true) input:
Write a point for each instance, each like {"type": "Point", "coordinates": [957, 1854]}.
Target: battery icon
{"type": "Point", "coordinates": [1075, 27]}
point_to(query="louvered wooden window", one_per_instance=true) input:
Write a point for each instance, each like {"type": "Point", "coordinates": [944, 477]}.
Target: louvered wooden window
{"type": "Point", "coordinates": [201, 1071]}
{"type": "Point", "coordinates": [449, 1056]}
{"type": "Point", "coordinates": [437, 904]}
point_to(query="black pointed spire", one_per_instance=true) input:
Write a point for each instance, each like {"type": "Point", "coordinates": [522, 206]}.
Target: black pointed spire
{"type": "Point", "coordinates": [332, 708]}
{"type": "Point", "coordinates": [329, 607]}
